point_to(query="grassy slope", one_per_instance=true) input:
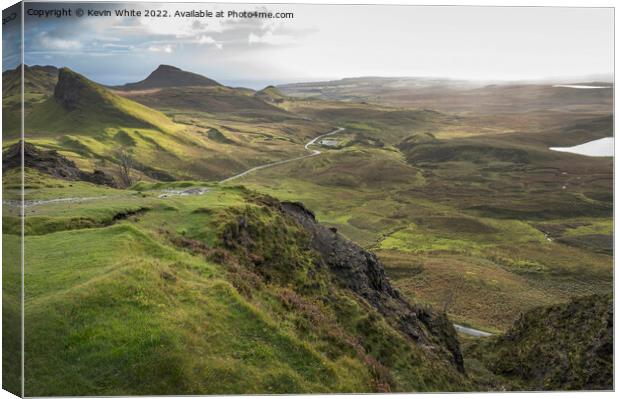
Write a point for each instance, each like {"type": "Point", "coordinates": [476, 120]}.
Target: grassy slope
{"type": "Point", "coordinates": [126, 308]}
{"type": "Point", "coordinates": [38, 79]}
{"type": "Point", "coordinates": [11, 306]}
{"type": "Point", "coordinates": [120, 328]}
{"type": "Point", "coordinates": [39, 84]}
{"type": "Point", "coordinates": [216, 99]}
{"type": "Point", "coordinates": [270, 94]}
{"type": "Point", "coordinates": [106, 110]}
{"type": "Point", "coordinates": [103, 122]}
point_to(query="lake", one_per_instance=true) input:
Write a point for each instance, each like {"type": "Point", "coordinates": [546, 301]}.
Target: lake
{"type": "Point", "coordinates": [596, 148]}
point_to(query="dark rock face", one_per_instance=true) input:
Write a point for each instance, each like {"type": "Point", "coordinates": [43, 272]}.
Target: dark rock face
{"type": "Point", "coordinates": [216, 135]}
{"type": "Point", "coordinates": [51, 163]}
{"type": "Point", "coordinates": [99, 177]}
{"type": "Point", "coordinates": [68, 89]}
{"type": "Point", "coordinates": [361, 272]}
{"type": "Point", "coordinates": [357, 269]}
{"type": "Point", "coordinates": [264, 246]}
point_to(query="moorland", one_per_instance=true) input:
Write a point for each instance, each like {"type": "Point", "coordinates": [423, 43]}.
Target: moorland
{"type": "Point", "coordinates": [377, 213]}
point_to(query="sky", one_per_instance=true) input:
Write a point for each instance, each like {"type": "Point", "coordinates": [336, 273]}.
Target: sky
{"type": "Point", "coordinates": [324, 42]}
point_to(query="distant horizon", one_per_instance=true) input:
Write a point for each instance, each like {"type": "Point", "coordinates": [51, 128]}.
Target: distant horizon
{"type": "Point", "coordinates": [260, 84]}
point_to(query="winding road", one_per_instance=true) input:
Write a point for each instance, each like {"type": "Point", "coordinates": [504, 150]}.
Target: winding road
{"type": "Point", "coordinates": [268, 165]}
{"type": "Point", "coordinates": [167, 193]}
{"type": "Point", "coordinates": [462, 329]}
{"type": "Point", "coordinates": [31, 203]}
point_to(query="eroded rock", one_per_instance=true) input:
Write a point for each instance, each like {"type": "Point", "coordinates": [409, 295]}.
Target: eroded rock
{"type": "Point", "coordinates": [52, 163]}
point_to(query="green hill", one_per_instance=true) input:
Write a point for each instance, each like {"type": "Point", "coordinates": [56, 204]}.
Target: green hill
{"type": "Point", "coordinates": [171, 89]}
{"type": "Point", "coordinates": [81, 104]}
{"type": "Point", "coordinates": [212, 100]}
{"type": "Point", "coordinates": [39, 83]}
{"type": "Point", "coordinates": [169, 76]}
{"type": "Point", "coordinates": [271, 94]}
{"type": "Point", "coordinates": [37, 79]}
{"type": "Point", "coordinates": [88, 123]}
{"type": "Point", "coordinates": [221, 293]}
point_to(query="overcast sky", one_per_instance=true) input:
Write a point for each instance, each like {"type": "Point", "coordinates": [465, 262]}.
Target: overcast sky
{"type": "Point", "coordinates": [326, 42]}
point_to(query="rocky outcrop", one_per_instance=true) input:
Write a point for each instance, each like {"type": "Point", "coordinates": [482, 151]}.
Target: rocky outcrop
{"type": "Point", "coordinates": [217, 136]}
{"type": "Point", "coordinates": [69, 89]}
{"type": "Point", "coordinates": [562, 347]}
{"type": "Point", "coordinates": [349, 265]}
{"type": "Point", "coordinates": [51, 163]}
{"type": "Point", "coordinates": [361, 272]}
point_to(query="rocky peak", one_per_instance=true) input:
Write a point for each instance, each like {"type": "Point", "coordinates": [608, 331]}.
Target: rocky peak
{"type": "Point", "coordinates": [170, 76]}
{"type": "Point", "coordinates": [165, 68]}
{"type": "Point", "coordinates": [70, 88]}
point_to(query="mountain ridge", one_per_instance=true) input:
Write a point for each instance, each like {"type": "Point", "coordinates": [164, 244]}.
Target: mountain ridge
{"type": "Point", "coordinates": [76, 99]}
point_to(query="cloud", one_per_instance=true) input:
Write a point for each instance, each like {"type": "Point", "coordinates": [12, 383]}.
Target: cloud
{"type": "Point", "coordinates": [167, 35]}
{"type": "Point", "coordinates": [167, 48]}
{"type": "Point", "coordinates": [206, 39]}
{"type": "Point", "coordinates": [270, 38]}
{"type": "Point", "coordinates": [118, 47]}
{"type": "Point", "coordinates": [54, 43]}
{"type": "Point", "coordinates": [84, 42]}
{"type": "Point", "coordinates": [203, 39]}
